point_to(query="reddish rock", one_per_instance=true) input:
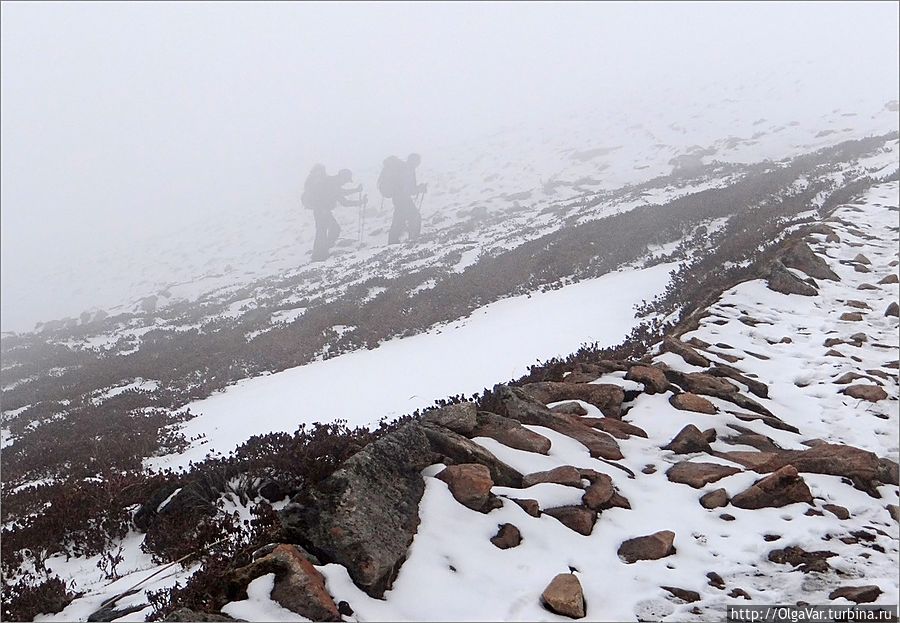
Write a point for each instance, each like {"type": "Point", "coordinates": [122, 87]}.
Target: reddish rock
{"type": "Point", "coordinates": [872, 393]}
{"type": "Point", "coordinates": [510, 433]}
{"type": "Point", "coordinates": [569, 408]}
{"type": "Point", "coordinates": [564, 596]}
{"type": "Point", "coordinates": [650, 547]}
{"type": "Point", "coordinates": [599, 493]}
{"type": "Point", "coordinates": [687, 401]}
{"type": "Point", "coordinates": [618, 428]}
{"type": "Point", "coordinates": [577, 518]}
{"type": "Point", "coordinates": [858, 304]}
{"type": "Point", "coordinates": [851, 316]}
{"type": "Point", "coordinates": [563, 475]}
{"type": "Point", "coordinates": [714, 499]}
{"type": "Point", "coordinates": [892, 278]}
{"type": "Point", "coordinates": [653, 379]}
{"type": "Point", "coordinates": [529, 506]}
{"type": "Point", "coordinates": [460, 417]}
{"type": "Point", "coordinates": [470, 484]}
{"type": "Point", "coordinates": [838, 511]}
{"type": "Point", "coordinates": [698, 475]}
{"type": "Point", "coordinates": [750, 460]}
{"type": "Point", "coordinates": [606, 397]}
{"type": "Point", "coordinates": [894, 511]}
{"type": "Point", "coordinates": [757, 388]}
{"type": "Point", "coordinates": [682, 593]}
{"type": "Point", "coordinates": [857, 594]}
{"type": "Point", "coordinates": [689, 440]}
{"type": "Point", "coordinates": [702, 383]}
{"type": "Point", "coordinates": [805, 561]}
{"type": "Point", "coordinates": [687, 353]}
{"type": "Point", "coordinates": [739, 592]}
{"type": "Point", "coordinates": [778, 489]}
{"type": "Point", "coordinates": [715, 580]}
{"type": "Point", "coordinates": [507, 536]}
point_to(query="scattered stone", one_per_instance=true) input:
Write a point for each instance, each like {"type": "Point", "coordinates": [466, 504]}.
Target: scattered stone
{"type": "Point", "coordinates": [714, 499]}
{"type": "Point", "coordinates": [687, 401]}
{"type": "Point", "coordinates": [726, 517]}
{"type": "Point", "coordinates": [653, 379]}
{"type": "Point", "coordinates": [507, 536]}
{"type": "Point", "coordinates": [460, 417]}
{"type": "Point", "coordinates": [834, 353]}
{"type": "Point", "coordinates": [299, 586]}
{"type": "Point", "coordinates": [569, 408]}
{"type": "Point", "coordinates": [849, 377]}
{"type": "Point", "coordinates": [857, 594]}
{"type": "Point", "coordinates": [562, 475]}
{"type": "Point", "coordinates": [798, 557]}
{"type": "Point", "coordinates": [682, 593]}
{"type": "Point", "coordinates": [715, 580]}
{"type": "Point", "coordinates": [702, 383]}
{"type": "Point", "coordinates": [783, 487]}
{"type": "Point", "coordinates": [649, 469]}
{"type": "Point", "coordinates": [861, 269]}
{"type": "Point", "coordinates": [689, 441]}
{"type": "Point", "coordinates": [851, 316]}
{"type": "Point", "coordinates": [580, 377]}
{"type": "Point", "coordinates": [510, 433]}
{"type": "Point", "coordinates": [529, 506]}
{"type": "Point", "coordinates": [771, 537]}
{"type": "Point", "coordinates": [599, 493]}
{"type": "Point", "coordinates": [861, 259]}
{"type": "Point", "coordinates": [606, 397]}
{"type": "Point", "coordinates": [687, 353]}
{"type": "Point", "coordinates": [458, 449]}
{"type": "Point", "coordinates": [892, 278]}
{"type": "Point", "coordinates": [756, 387]}
{"type": "Point", "coordinates": [893, 310]}
{"type": "Point", "coordinates": [618, 428]}
{"type": "Point", "coordinates": [802, 258]}
{"type": "Point", "coordinates": [564, 596]}
{"type": "Point", "coordinates": [698, 475]}
{"type": "Point", "coordinates": [866, 286]}
{"type": "Point", "coordinates": [577, 518]}
{"type": "Point", "coordinates": [858, 304]}
{"type": "Point", "coordinates": [812, 512]}
{"type": "Point", "coordinates": [894, 511]}
{"type": "Point", "coordinates": [650, 547]}
{"type": "Point", "coordinates": [872, 393]}
{"type": "Point", "coordinates": [838, 511]}
{"type": "Point", "coordinates": [470, 484]}
{"type": "Point", "coordinates": [833, 341]}
{"type": "Point", "coordinates": [782, 280]}
{"type": "Point", "coordinates": [739, 592]}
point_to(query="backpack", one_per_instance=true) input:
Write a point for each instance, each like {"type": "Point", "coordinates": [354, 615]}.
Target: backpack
{"type": "Point", "coordinates": [390, 182]}
{"type": "Point", "coordinates": [314, 191]}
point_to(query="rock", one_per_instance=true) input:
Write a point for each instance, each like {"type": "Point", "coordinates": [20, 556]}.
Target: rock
{"type": "Point", "coordinates": [860, 268]}
{"type": "Point", "coordinates": [832, 341]}
{"type": "Point", "coordinates": [798, 557]}
{"type": "Point", "coordinates": [649, 468]}
{"type": "Point", "coordinates": [608, 398]}
{"type": "Point", "coordinates": [650, 547]}
{"type": "Point", "coordinates": [272, 491]}
{"type": "Point", "coordinates": [698, 475]}
{"type": "Point", "coordinates": [520, 406]}
{"type": "Point", "coordinates": [529, 506]}
{"type": "Point", "coordinates": [187, 615]}
{"type": "Point", "coordinates": [299, 586]}
{"type": "Point", "coordinates": [688, 441]}
{"type": "Point", "coordinates": [564, 596]}
{"type": "Point", "coordinates": [801, 257]}
{"type": "Point", "coordinates": [756, 387]}
{"type": "Point", "coordinates": [858, 304]}
{"type": "Point", "coordinates": [778, 489]}
{"type": "Point", "coordinates": [838, 511]}
{"type": "Point", "coordinates": [653, 379]}
{"type": "Point", "coordinates": [682, 593]}
{"type": "Point", "coordinates": [754, 440]}
{"type": "Point", "coordinates": [849, 377]}
{"type": "Point", "coordinates": [715, 580]}
{"type": "Point", "coordinates": [834, 353]}
{"type": "Point", "coordinates": [782, 280]}
{"type": "Point", "coordinates": [618, 428]}
{"type": "Point", "coordinates": [861, 259]}
{"type": "Point", "coordinates": [148, 510]}
{"type": "Point", "coordinates": [866, 286]}
{"type": "Point", "coordinates": [577, 518]}
{"type": "Point", "coordinates": [599, 493]}
{"type": "Point", "coordinates": [687, 353]}
{"type": "Point", "coordinates": [687, 401]}
{"type": "Point", "coordinates": [569, 408]}
{"type": "Point", "coordinates": [893, 310]}
{"type": "Point", "coordinates": [857, 594]}
{"type": "Point", "coordinates": [562, 475]}
{"type": "Point", "coordinates": [507, 536]}
{"type": "Point", "coordinates": [461, 450]}
{"type": "Point", "coordinates": [365, 514]}
{"type": "Point", "coordinates": [714, 499]}
{"type": "Point", "coordinates": [861, 467]}
{"type": "Point", "coordinates": [739, 592]}
{"type": "Point", "coordinates": [872, 393]}
{"type": "Point", "coordinates": [859, 337]}
{"type": "Point", "coordinates": [894, 511]}
{"type": "Point", "coordinates": [470, 485]}
{"type": "Point", "coordinates": [111, 614]}
{"type": "Point", "coordinates": [510, 433]}
{"type": "Point", "coordinates": [701, 383]}
{"type": "Point", "coordinates": [851, 316]}
{"type": "Point", "coordinates": [892, 278]}
{"type": "Point", "coordinates": [580, 377]}
{"type": "Point", "coordinates": [460, 417]}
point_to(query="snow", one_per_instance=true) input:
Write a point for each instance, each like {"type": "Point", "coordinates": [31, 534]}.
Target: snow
{"type": "Point", "coordinates": [259, 605]}
{"type": "Point", "coordinates": [402, 375]}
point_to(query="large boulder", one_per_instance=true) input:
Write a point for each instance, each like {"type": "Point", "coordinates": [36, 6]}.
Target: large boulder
{"type": "Point", "coordinates": [698, 475]}
{"type": "Point", "coordinates": [653, 379]}
{"type": "Point", "coordinates": [782, 280]}
{"type": "Point", "coordinates": [510, 433]}
{"type": "Point", "coordinates": [690, 440]}
{"type": "Point", "coordinates": [857, 594]}
{"type": "Point", "coordinates": [562, 475]}
{"type": "Point", "coordinates": [757, 388]}
{"type": "Point", "coordinates": [365, 514]}
{"type": "Point", "coordinates": [871, 393]}
{"type": "Point", "coordinates": [778, 489]}
{"type": "Point", "coordinates": [606, 397]}
{"type": "Point", "coordinates": [564, 596]}
{"type": "Point", "coordinates": [519, 405]}
{"type": "Point", "coordinates": [460, 417]}
{"type": "Point", "coordinates": [686, 401]}
{"type": "Point", "coordinates": [701, 383]}
{"type": "Point", "coordinates": [577, 518]}
{"type": "Point", "coordinates": [801, 257]}
{"type": "Point", "coordinates": [471, 485]}
{"type": "Point", "coordinates": [687, 353]}
{"type": "Point", "coordinates": [458, 449]}
{"type": "Point", "coordinates": [650, 547]}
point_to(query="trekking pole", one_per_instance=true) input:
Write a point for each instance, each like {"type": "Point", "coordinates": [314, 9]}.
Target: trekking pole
{"type": "Point", "coordinates": [361, 216]}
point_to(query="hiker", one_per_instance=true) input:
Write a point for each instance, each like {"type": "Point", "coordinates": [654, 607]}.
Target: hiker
{"type": "Point", "coordinates": [321, 194]}
{"type": "Point", "coordinates": [398, 183]}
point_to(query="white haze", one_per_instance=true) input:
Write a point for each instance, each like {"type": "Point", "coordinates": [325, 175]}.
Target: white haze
{"type": "Point", "coordinates": [122, 122]}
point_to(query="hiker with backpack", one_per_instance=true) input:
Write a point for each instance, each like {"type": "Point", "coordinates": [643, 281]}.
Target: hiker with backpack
{"type": "Point", "coordinates": [397, 182]}
{"type": "Point", "coordinates": [321, 194]}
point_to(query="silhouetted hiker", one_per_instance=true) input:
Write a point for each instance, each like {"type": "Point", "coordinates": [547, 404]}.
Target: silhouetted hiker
{"type": "Point", "coordinates": [321, 194]}
{"type": "Point", "coordinates": [398, 182]}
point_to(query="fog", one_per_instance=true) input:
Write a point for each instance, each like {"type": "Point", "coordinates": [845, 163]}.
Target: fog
{"type": "Point", "coordinates": [124, 121]}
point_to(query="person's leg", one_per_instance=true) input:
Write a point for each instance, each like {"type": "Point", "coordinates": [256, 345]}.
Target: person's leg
{"type": "Point", "coordinates": [320, 251]}
{"type": "Point", "coordinates": [399, 221]}
{"type": "Point", "coordinates": [334, 230]}
{"type": "Point", "coordinates": [415, 222]}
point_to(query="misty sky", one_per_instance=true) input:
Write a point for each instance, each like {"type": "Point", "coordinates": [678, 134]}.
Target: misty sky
{"type": "Point", "coordinates": [120, 121]}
